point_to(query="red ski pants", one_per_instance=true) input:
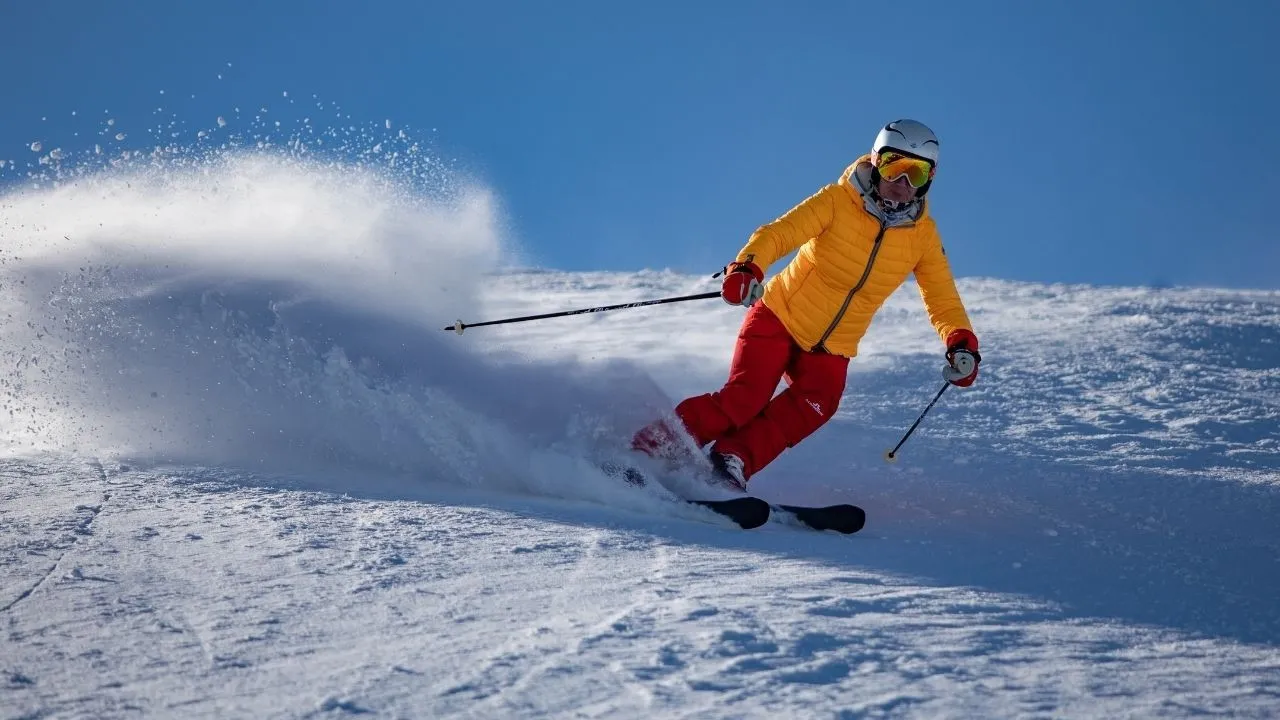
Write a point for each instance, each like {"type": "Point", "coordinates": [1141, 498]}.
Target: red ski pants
{"type": "Point", "coordinates": [744, 418]}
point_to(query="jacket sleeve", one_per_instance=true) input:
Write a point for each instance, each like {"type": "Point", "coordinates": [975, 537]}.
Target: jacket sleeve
{"type": "Point", "coordinates": [801, 224]}
{"type": "Point", "coordinates": [938, 290]}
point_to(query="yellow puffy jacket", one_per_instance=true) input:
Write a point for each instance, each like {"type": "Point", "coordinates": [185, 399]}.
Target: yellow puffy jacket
{"type": "Point", "coordinates": [851, 258]}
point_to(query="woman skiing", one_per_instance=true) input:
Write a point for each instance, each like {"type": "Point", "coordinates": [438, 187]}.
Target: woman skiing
{"type": "Point", "coordinates": [858, 239]}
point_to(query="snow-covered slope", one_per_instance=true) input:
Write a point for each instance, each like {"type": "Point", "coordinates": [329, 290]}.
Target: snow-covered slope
{"type": "Point", "coordinates": [248, 475]}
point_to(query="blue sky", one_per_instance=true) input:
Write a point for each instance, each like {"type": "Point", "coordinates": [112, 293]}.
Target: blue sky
{"type": "Point", "coordinates": [1097, 142]}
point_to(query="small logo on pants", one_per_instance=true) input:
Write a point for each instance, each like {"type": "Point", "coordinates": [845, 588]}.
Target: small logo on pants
{"type": "Point", "coordinates": [816, 407]}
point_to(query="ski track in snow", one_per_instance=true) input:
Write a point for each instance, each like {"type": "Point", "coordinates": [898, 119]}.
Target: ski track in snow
{"type": "Point", "coordinates": [238, 486]}
{"type": "Point", "coordinates": [207, 594]}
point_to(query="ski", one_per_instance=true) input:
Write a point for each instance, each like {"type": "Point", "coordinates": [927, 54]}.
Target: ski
{"type": "Point", "coordinates": [847, 519]}
{"type": "Point", "coordinates": [748, 512]}
{"type": "Point", "coordinates": [630, 475]}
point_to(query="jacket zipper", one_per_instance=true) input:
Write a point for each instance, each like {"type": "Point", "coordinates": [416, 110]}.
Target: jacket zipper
{"type": "Point", "coordinates": [866, 272]}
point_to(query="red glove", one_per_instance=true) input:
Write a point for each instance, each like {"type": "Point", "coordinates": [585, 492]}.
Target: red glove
{"type": "Point", "coordinates": [743, 283]}
{"type": "Point", "coordinates": [962, 358]}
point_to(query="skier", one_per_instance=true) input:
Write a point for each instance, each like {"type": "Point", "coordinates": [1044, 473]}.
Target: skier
{"type": "Point", "coordinates": [858, 239]}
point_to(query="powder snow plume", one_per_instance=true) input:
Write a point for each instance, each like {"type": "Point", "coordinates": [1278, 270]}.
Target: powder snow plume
{"type": "Point", "coordinates": [276, 312]}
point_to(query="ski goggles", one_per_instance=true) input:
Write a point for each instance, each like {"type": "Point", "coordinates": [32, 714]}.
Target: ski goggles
{"type": "Point", "coordinates": [893, 165]}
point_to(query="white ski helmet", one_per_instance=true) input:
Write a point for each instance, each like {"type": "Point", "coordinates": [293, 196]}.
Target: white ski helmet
{"type": "Point", "coordinates": [909, 137]}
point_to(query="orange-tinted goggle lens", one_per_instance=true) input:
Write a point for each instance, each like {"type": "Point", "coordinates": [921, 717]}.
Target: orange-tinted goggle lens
{"type": "Point", "coordinates": [893, 166]}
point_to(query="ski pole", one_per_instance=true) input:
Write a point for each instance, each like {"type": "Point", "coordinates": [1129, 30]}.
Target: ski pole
{"type": "Point", "coordinates": [891, 456]}
{"type": "Point", "coordinates": [459, 326]}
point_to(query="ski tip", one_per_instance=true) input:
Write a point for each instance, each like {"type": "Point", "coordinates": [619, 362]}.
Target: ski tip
{"type": "Point", "coordinates": [856, 520]}
{"type": "Point", "coordinates": [755, 519]}
{"type": "Point", "coordinates": [748, 512]}
{"type": "Point", "coordinates": [846, 519]}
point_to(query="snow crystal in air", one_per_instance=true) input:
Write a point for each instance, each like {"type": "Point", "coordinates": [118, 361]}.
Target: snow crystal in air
{"type": "Point", "coordinates": [37, 146]}
{"type": "Point", "coordinates": [222, 122]}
